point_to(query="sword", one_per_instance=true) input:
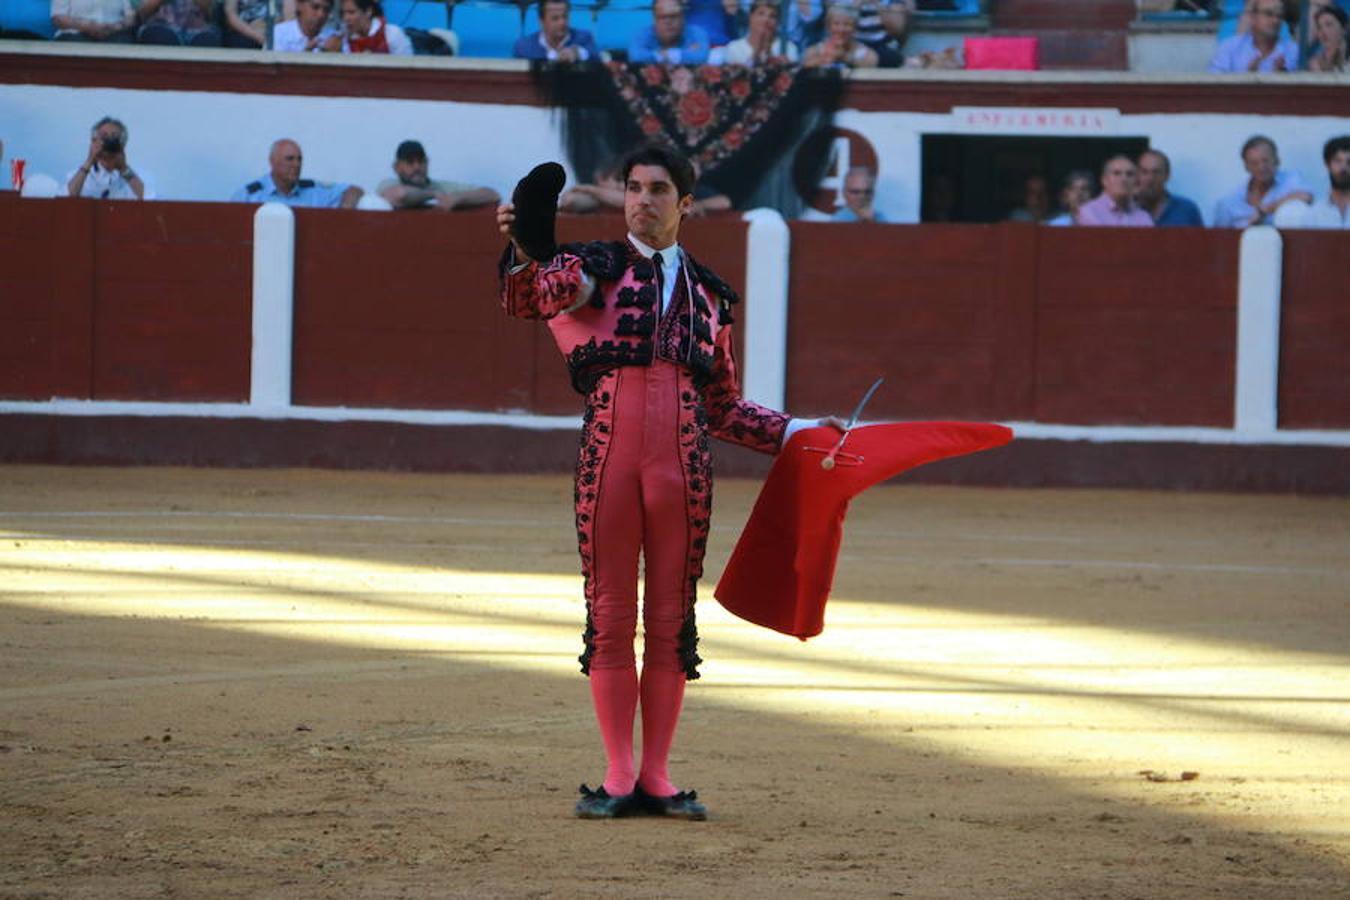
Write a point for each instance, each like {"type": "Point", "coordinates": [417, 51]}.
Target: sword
{"type": "Point", "coordinates": [828, 462]}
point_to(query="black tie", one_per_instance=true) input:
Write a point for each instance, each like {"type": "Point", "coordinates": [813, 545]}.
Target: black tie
{"type": "Point", "coordinates": [659, 265]}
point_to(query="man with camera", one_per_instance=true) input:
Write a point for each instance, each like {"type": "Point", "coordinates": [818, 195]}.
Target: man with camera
{"type": "Point", "coordinates": [106, 174]}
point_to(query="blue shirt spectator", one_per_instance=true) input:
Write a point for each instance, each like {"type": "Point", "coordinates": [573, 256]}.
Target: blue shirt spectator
{"type": "Point", "coordinates": [1180, 211]}
{"type": "Point", "coordinates": [668, 39]}
{"type": "Point", "coordinates": [284, 184]}
{"type": "Point", "coordinates": [1262, 48]}
{"type": "Point", "coordinates": [1233, 210]}
{"type": "Point", "coordinates": [556, 40]}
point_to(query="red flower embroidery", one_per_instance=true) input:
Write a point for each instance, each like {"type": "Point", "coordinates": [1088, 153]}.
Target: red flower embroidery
{"type": "Point", "coordinates": [734, 138]}
{"type": "Point", "coordinates": [651, 125]}
{"type": "Point", "coordinates": [740, 88]}
{"type": "Point", "coordinates": [783, 82]}
{"type": "Point", "coordinates": [653, 75]}
{"type": "Point", "coordinates": [710, 74]}
{"type": "Point", "coordinates": [696, 109]}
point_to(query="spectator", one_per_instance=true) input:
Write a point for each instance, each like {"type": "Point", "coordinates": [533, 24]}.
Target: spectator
{"type": "Point", "coordinates": [860, 188]}
{"type": "Point", "coordinates": [555, 40]}
{"type": "Point", "coordinates": [1329, 24]}
{"type": "Point", "coordinates": [1260, 48]}
{"type": "Point", "coordinates": [884, 26]}
{"type": "Point", "coordinates": [284, 184]}
{"type": "Point", "coordinates": [245, 24]}
{"type": "Point", "coordinates": [1265, 192]}
{"type": "Point", "coordinates": [308, 31]}
{"type": "Point", "coordinates": [841, 46]}
{"type": "Point", "coordinates": [1335, 211]}
{"type": "Point", "coordinates": [365, 30]}
{"type": "Point", "coordinates": [761, 43]}
{"type": "Point", "coordinates": [1075, 190]}
{"type": "Point", "coordinates": [1115, 206]}
{"type": "Point", "coordinates": [805, 22]}
{"type": "Point", "coordinates": [178, 22]}
{"type": "Point", "coordinates": [106, 174]}
{"type": "Point", "coordinates": [1165, 208]}
{"type": "Point", "coordinates": [668, 39]}
{"type": "Point", "coordinates": [717, 18]}
{"type": "Point", "coordinates": [604, 193]}
{"type": "Point", "coordinates": [1035, 201]}
{"type": "Point", "coordinates": [106, 21]}
{"type": "Point", "coordinates": [413, 189]}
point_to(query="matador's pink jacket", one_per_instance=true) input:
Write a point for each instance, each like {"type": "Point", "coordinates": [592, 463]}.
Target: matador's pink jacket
{"type": "Point", "coordinates": [618, 326]}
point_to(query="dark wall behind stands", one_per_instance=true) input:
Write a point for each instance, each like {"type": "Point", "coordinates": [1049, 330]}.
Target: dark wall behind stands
{"type": "Point", "coordinates": [118, 301]}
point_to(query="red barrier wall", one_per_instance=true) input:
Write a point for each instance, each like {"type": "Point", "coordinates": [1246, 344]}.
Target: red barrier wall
{"type": "Point", "coordinates": [1015, 322]}
{"type": "Point", "coordinates": [401, 311]}
{"type": "Point", "coordinates": [1314, 331]}
{"type": "Point", "coordinates": [124, 301]}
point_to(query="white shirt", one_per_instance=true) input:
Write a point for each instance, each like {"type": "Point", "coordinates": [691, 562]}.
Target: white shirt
{"type": "Point", "coordinates": [740, 53]}
{"type": "Point", "coordinates": [1327, 215]}
{"type": "Point", "coordinates": [105, 184]}
{"type": "Point", "coordinates": [104, 12]}
{"type": "Point", "coordinates": [288, 38]}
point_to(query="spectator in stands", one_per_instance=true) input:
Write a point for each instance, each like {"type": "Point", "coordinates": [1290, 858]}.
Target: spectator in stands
{"type": "Point", "coordinates": [602, 194]}
{"type": "Point", "coordinates": [283, 183]}
{"type": "Point", "coordinates": [245, 24]}
{"type": "Point", "coordinates": [1334, 212]}
{"type": "Point", "coordinates": [761, 43]}
{"type": "Point", "coordinates": [365, 30]}
{"type": "Point", "coordinates": [717, 18]}
{"type": "Point", "coordinates": [1115, 206]}
{"type": "Point", "coordinates": [805, 22]}
{"type": "Point", "coordinates": [106, 174]}
{"type": "Point", "coordinates": [884, 26]}
{"type": "Point", "coordinates": [1165, 208]}
{"type": "Point", "coordinates": [414, 189]}
{"type": "Point", "coordinates": [668, 39]}
{"type": "Point", "coordinates": [841, 46]}
{"type": "Point", "coordinates": [1259, 49]}
{"type": "Point", "coordinates": [860, 188]}
{"type": "Point", "coordinates": [1035, 201]}
{"type": "Point", "coordinates": [1329, 24]}
{"type": "Point", "coordinates": [106, 21]}
{"type": "Point", "coordinates": [1074, 191]}
{"type": "Point", "coordinates": [1268, 188]}
{"type": "Point", "coordinates": [178, 23]}
{"type": "Point", "coordinates": [555, 40]}
{"type": "Point", "coordinates": [308, 31]}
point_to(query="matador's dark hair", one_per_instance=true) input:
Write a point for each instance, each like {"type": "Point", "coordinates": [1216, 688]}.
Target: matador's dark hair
{"type": "Point", "coordinates": [680, 169]}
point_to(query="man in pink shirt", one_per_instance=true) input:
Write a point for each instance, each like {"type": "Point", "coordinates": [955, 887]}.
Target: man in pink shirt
{"type": "Point", "coordinates": [1115, 205]}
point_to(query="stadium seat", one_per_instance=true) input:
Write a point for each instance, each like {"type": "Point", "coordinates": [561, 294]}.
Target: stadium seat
{"type": "Point", "coordinates": [33, 17]}
{"type": "Point", "coordinates": [618, 23]}
{"type": "Point", "coordinates": [424, 14]}
{"type": "Point", "coordinates": [486, 28]}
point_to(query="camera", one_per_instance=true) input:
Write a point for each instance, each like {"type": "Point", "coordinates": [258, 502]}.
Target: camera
{"type": "Point", "coordinates": [112, 145]}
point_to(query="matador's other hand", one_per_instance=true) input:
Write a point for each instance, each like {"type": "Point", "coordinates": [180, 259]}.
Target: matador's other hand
{"type": "Point", "coordinates": [506, 215]}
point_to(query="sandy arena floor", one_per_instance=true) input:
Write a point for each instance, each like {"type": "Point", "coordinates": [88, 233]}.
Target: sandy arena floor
{"type": "Point", "coordinates": [281, 684]}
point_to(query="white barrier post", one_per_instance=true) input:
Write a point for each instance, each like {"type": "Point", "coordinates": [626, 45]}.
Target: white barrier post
{"type": "Point", "coordinates": [273, 306]}
{"type": "Point", "coordinates": [765, 317]}
{"type": "Point", "coordinates": [1256, 382]}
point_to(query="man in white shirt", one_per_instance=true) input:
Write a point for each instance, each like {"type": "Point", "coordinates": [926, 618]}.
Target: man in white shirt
{"type": "Point", "coordinates": [1334, 211]}
{"type": "Point", "coordinates": [308, 31]}
{"type": "Point", "coordinates": [106, 174]}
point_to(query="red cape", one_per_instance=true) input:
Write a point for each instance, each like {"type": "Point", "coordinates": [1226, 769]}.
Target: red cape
{"type": "Point", "coordinates": [780, 573]}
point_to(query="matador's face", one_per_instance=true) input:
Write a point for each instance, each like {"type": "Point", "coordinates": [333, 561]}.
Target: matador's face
{"type": "Point", "coordinates": [653, 207]}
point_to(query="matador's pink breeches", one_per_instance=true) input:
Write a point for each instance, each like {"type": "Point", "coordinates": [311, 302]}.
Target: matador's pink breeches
{"type": "Point", "coordinates": [643, 487]}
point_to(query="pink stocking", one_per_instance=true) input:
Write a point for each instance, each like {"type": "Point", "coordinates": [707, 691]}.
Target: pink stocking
{"type": "Point", "coordinates": [662, 697]}
{"type": "Point", "coordinates": [615, 695]}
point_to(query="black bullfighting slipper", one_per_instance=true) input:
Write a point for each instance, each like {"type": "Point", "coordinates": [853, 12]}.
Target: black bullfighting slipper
{"type": "Point", "coordinates": [536, 202]}
{"type": "Point", "coordinates": [598, 804]}
{"type": "Point", "coordinates": [683, 805]}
